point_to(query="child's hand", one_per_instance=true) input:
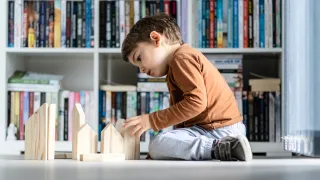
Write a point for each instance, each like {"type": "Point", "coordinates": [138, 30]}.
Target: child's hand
{"type": "Point", "coordinates": [139, 124]}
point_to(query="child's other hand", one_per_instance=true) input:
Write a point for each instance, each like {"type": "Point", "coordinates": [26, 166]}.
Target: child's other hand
{"type": "Point", "coordinates": [139, 124]}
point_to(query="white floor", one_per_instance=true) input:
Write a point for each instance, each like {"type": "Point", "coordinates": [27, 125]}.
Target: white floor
{"type": "Point", "coordinates": [15, 168]}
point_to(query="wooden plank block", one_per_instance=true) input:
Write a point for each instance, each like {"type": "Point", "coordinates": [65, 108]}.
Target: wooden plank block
{"type": "Point", "coordinates": [63, 156]}
{"type": "Point", "coordinates": [131, 143]}
{"type": "Point", "coordinates": [91, 157]}
{"type": "Point", "coordinates": [51, 131]}
{"type": "Point", "coordinates": [28, 140]}
{"type": "Point", "coordinates": [78, 120]}
{"type": "Point", "coordinates": [42, 146]}
{"type": "Point", "coordinates": [111, 140]}
{"type": "Point", "coordinates": [87, 140]}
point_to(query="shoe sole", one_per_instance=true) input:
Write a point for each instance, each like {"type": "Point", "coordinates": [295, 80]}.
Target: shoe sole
{"type": "Point", "coordinates": [247, 148]}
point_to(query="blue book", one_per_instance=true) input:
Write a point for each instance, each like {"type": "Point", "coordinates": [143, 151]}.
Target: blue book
{"type": "Point", "coordinates": [235, 24]}
{"type": "Point", "coordinates": [230, 23]}
{"type": "Point", "coordinates": [88, 23]}
{"type": "Point", "coordinates": [261, 24]}
{"type": "Point", "coordinates": [200, 24]}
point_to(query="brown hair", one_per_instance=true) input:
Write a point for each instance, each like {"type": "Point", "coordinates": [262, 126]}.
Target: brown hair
{"type": "Point", "coordinates": [140, 32]}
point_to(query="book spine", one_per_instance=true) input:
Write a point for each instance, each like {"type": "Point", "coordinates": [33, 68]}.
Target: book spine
{"type": "Point", "coordinates": [21, 115]}
{"type": "Point", "coordinates": [71, 101]}
{"type": "Point", "coordinates": [74, 23]}
{"type": "Point", "coordinates": [256, 23]}
{"type": "Point", "coordinates": [245, 24]}
{"type": "Point", "coordinates": [230, 24]}
{"type": "Point", "coordinates": [250, 24]}
{"type": "Point", "coordinates": [241, 23]}
{"type": "Point", "coordinates": [79, 25]}
{"type": "Point", "coordinates": [102, 33]}
{"type": "Point", "coordinates": [127, 17]}
{"type": "Point", "coordinates": [36, 24]}
{"type": "Point", "coordinates": [42, 24]}
{"type": "Point", "coordinates": [18, 23]}
{"type": "Point", "coordinates": [92, 23]}
{"type": "Point", "coordinates": [113, 24]}
{"type": "Point", "coordinates": [47, 22]}
{"type": "Point", "coordinates": [261, 24]}
{"type": "Point", "coordinates": [235, 24]}
{"type": "Point", "coordinates": [30, 26]}
{"type": "Point", "coordinates": [220, 24]}
{"type": "Point", "coordinates": [108, 24]}
{"type": "Point", "coordinates": [31, 104]}
{"type": "Point", "coordinates": [63, 22]}
{"type": "Point", "coordinates": [88, 23]}
{"type": "Point", "coordinates": [57, 24]}
{"type": "Point", "coordinates": [117, 24]}
{"type": "Point", "coordinates": [278, 23]}
{"type": "Point", "coordinates": [84, 24]}
{"type": "Point", "coordinates": [199, 23]}
{"type": "Point", "coordinates": [11, 24]}
{"type": "Point", "coordinates": [66, 120]}
{"type": "Point", "coordinates": [122, 21]}
{"type": "Point", "coordinates": [25, 23]}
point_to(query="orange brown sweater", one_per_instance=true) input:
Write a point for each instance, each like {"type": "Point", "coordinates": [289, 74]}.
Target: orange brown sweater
{"type": "Point", "coordinates": [199, 95]}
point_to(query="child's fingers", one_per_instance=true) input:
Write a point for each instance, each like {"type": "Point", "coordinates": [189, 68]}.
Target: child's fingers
{"type": "Point", "coordinates": [132, 118]}
{"type": "Point", "coordinates": [140, 132]}
{"type": "Point", "coordinates": [135, 129]}
{"type": "Point", "coordinates": [131, 123]}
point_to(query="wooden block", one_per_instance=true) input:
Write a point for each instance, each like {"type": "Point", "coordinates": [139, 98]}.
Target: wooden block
{"type": "Point", "coordinates": [28, 140]}
{"type": "Point", "coordinates": [111, 140]}
{"type": "Point", "coordinates": [78, 120]}
{"type": "Point", "coordinates": [131, 144]}
{"type": "Point", "coordinates": [43, 133]}
{"type": "Point", "coordinates": [87, 140]}
{"type": "Point", "coordinates": [63, 156]}
{"type": "Point", "coordinates": [102, 157]}
{"type": "Point", "coordinates": [40, 133]}
{"type": "Point", "coordinates": [51, 131]}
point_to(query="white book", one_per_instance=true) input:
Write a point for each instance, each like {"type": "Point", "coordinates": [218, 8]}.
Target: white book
{"type": "Point", "coordinates": [136, 11]}
{"type": "Point", "coordinates": [108, 106]}
{"type": "Point", "coordinates": [63, 23]}
{"type": "Point", "coordinates": [18, 6]}
{"type": "Point", "coordinates": [36, 101]}
{"type": "Point", "coordinates": [240, 23]}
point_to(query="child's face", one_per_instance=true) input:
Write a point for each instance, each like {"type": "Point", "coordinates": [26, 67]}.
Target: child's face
{"type": "Point", "coordinates": [150, 57]}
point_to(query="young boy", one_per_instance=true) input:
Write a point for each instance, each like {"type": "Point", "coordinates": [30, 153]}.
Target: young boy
{"type": "Point", "coordinates": [202, 106]}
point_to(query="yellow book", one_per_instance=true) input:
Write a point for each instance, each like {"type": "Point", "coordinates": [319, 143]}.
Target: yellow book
{"type": "Point", "coordinates": [57, 24]}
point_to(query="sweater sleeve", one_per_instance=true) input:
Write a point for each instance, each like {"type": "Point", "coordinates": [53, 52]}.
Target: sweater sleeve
{"type": "Point", "coordinates": [187, 76]}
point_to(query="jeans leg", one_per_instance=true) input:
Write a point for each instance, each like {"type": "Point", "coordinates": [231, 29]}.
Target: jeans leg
{"type": "Point", "coordinates": [185, 143]}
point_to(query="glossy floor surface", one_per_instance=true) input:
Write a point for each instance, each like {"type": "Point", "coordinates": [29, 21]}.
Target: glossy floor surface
{"type": "Point", "coordinates": [15, 168]}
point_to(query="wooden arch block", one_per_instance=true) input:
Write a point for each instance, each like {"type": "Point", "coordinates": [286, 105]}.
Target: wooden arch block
{"type": "Point", "coordinates": [87, 140]}
{"type": "Point", "coordinates": [78, 120]}
{"type": "Point", "coordinates": [40, 134]}
{"type": "Point", "coordinates": [111, 140]}
{"type": "Point", "coordinates": [131, 144]}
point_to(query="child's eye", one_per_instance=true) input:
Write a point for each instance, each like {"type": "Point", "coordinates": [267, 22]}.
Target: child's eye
{"type": "Point", "coordinates": [138, 59]}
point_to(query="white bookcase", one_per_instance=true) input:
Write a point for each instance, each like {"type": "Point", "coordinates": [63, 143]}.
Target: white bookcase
{"type": "Point", "coordinates": [85, 69]}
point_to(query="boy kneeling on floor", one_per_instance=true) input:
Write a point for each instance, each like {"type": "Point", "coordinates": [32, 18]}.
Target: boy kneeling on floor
{"type": "Point", "coordinates": [202, 106]}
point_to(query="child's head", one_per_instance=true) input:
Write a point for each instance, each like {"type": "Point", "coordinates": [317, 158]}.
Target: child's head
{"type": "Point", "coordinates": [150, 43]}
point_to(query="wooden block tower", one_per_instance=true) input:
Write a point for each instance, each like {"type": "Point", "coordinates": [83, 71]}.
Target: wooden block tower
{"type": "Point", "coordinates": [40, 134]}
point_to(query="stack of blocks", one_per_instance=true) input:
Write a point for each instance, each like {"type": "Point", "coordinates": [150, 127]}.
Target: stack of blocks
{"type": "Point", "coordinates": [116, 142]}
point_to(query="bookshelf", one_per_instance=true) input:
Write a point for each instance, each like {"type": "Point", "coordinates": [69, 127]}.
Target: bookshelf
{"type": "Point", "coordinates": [88, 68]}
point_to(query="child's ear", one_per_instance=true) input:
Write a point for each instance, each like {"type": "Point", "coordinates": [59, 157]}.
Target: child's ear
{"type": "Point", "coordinates": [155, 38]}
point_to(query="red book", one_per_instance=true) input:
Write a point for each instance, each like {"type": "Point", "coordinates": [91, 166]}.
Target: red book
{"type": "Point", "coordinates": [245, 24]}
{"type": "Point", "coordinates": [211, 24]}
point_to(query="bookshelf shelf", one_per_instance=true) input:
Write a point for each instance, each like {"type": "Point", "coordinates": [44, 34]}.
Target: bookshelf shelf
{"type": "Point", "coordinates": [109, 50]}
{"type": "Point", "coordinates": [35, 51]}
{"type": "Point", "coordinates": [241, 50]}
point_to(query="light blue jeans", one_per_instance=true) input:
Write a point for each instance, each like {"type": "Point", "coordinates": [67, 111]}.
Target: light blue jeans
{"type": "Point", "coordinates": [193, 143]}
